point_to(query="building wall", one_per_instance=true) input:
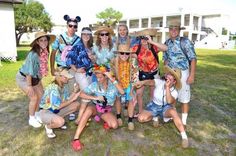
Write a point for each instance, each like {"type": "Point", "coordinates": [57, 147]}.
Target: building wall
{"type": "Point", "coordinates": [7, 32]}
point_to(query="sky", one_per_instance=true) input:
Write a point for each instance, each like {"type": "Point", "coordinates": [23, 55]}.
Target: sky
{"type": "Point", "coordinates": [87, 9]}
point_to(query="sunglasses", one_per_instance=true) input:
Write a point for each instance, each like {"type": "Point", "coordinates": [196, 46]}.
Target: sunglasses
{"type": "Point", "coordinates": [104, 34]}
{"type": "Point", "coordinates": [74, 26]}
{"type": "Point", "coordinates": [122, 53]}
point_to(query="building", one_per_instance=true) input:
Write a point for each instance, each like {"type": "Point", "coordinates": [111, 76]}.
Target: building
{"type": "Point", "coordinates": [207, 31]}
{"type": "Point", "coordinates": [7, 32]}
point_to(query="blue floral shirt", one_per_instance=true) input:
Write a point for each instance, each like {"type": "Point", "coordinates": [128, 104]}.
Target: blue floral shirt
{"type": "Point", "coordinates": [104, 56]}
{"type": "Point", "coordinates": [96, 90]}
{"type": "Point", "coordinates": [123, 40]}
{"type": "Point", "coordinates": [78, 56]}
{"type": "Point", "coordinates": [175, 57]}
{"type": "Point", "coordinates": [53, 97]}
{"type": "Point", "coordinates": [59, 45]}
{"type": "Point", "coordinates": [31, 65]}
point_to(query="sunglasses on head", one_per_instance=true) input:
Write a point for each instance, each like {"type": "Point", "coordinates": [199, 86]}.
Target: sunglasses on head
{"type": "Point", "coordinates": [122, 53]}
{"type": "Point", "coordinates": [74, 26]}
{"type": "Point", "coordinates": [104, 34]}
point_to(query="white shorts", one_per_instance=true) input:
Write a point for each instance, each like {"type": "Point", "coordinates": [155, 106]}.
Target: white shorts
{"type": "Point", "coordinates": [83, 81]}
{"type": "Point", "coordinates": [184, 92]}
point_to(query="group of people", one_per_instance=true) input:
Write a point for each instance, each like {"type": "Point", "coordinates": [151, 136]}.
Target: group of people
{"type": "Point", "coordinates": [103, 79]}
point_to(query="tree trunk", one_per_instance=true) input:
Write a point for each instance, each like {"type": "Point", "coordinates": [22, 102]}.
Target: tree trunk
{"type": "Point", "coordinates": [18, 36]}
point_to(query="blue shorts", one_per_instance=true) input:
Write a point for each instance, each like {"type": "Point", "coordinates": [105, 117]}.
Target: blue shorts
{"type": "Point", "coordinates": [127, 93]}
{"type": "Point", "coordinates": [157, 110]}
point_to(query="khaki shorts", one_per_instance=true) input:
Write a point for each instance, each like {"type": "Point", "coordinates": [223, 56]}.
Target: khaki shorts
{"type": "Point", "coordinates": [21, 81]}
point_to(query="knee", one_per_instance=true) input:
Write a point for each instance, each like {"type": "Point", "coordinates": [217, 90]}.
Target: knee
{"type": "Point", "coordinates": [114, 125]}
{"type": "Point", "coordinates": [59, 122]}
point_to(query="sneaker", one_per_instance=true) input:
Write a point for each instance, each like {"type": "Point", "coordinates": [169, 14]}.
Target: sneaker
{"type": "Point", "coordinates": [71, 117]}
{"type": "Point", "coordinates": [185, 143]}
{"type": "Point", "coordinates": [120, 122]}
{"type": "Point", "coordinates": [77, 145]}
{"type": "Point", "coordinates": [64, 127]}
{"type": "Point", "coordinates": [131, 126]}
{"type": "Point", "coordinates": [37, 117]}
{"type": "Point", "coordinates": [49, 132]}
{"type": "Point", "coordinates": [155, 122]}
{"type": "Point", "coordinates": [33, 122]}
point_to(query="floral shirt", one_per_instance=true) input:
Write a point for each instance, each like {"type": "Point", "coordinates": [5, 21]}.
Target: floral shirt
{"type": "Point", "coordinates": [53, 96]}
{"type": "Point", "coordinates": [124, 40]}
{"type": "Point", "coordinates": [59, 45]}
{"type": "Point", "coordinates": [104, 56]}
{"type": "Point", "coordinates": [31, 65]}
{"type": "Point", "coordinates": [78, 56]}
{"type": "Point", "coordinates": [110, 93]}
{"type": "Point", "coordinates": [175, 57]}
{"type": "Point", "coordinates": [146, 60]}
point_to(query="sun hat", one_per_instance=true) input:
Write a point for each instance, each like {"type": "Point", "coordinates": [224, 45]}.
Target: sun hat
{"type": "Point", "coordinates": [124, 48]}
{"type": "Point", "coordinates": [148, 31]}
{"type": "Point", "coordinates": [104, 28]}
{"type": "Point", "coordinates": [64, 72]}
{"type": "Point", "coordinates": [176, 73]}
{"type": "Point", "coordinates": [41, 34]}
{"type": "Point", "coordinates": [175, 23]}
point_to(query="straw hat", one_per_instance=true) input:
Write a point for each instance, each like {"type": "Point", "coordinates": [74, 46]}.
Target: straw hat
{"type": "Point", "coordinates": [149, 31]}
{"type": "Point", "coordinates": [175, 23]}
{"type": "Point", "coordinates": [176, 73]}
{"type": "Point", "coordinates": [104, 28]}
{"type": "Point", "coordinates": [124, 48]}
{"type": "Point", "coordinates": [41, 34]}
{"type": "Point", "coordinates": [64, 72]}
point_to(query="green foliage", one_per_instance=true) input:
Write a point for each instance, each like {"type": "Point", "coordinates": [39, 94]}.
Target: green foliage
{"type": "Point", "coordinates": [29, 17]}
{"type": "Point", "coordinates": [109, 17]}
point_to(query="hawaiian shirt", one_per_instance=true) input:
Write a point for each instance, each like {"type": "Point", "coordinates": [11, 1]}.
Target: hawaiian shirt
{"type": "Point", "coordinates": [97, 90]}
{"type": "Point", "coordinates": [59, 45]}
{"type": "Point", "coordinates": [146, 60]}
{"type": "Point", "coordinates": [31, 65]}
{"type": "Point", "coordinates": [104, 56]}
{"type": "Point", "coordinates": [175, 57]}
{"type": "Point", "coordinates": [123, 40]}
{"type": "Point", "coordinates": [53, 96]}
{"type": "Point", "coordinates": [78, 56]}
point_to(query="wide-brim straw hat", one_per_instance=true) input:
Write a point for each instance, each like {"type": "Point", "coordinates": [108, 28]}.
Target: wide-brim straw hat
{"type": "Point", "coordinates": [104, 28]}
{"type": "Point", "coordinates": [175, 23]}
{"type": "Point", "coordinates": [41, 34]}
{"type": "Point", "coordinates": [148, 31]}
{"type": "Point", "coordinates": [123, 48]}
{"type": "Point", "coordinates": [176, 73]}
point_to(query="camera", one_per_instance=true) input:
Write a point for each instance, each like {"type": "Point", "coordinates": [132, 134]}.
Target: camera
{"type": "Point", "coordinates": [142, 38]}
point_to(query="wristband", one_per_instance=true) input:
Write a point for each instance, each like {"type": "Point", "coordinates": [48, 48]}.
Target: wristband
{"type": "Point", "coordinates": [115, 82]}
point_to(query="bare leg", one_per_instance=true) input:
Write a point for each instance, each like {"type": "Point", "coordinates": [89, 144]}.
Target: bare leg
{"type": "Point", "coordinates": [145, 116]}
{"type": "Point", "coordinates": [139, 95]}
{"type": "Point", "coordinates": [172, 113]}
{"type": "Point", "coordinates": [81, 110]}
{"type": "Point", "coordinates": [110, 119]}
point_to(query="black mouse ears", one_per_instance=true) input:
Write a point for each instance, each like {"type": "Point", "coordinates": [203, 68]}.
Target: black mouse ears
{"type": "Point", "coordinates": [68, 19]}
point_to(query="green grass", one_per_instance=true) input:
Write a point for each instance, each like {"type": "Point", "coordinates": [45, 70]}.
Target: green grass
{"type": "Point", "coordinates": [211, 125]}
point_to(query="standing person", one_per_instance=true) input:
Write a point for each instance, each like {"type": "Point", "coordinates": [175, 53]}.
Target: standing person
{"type": "Point", "coordinates": [30, 74]}
{"type": "Point", "coordinates": [104, 47]}
{"type": "Point", "coordinates": [164, 99]}
{"type": "Point", "coordinates": [181, 55]}
{"type": "Point", "coordinates": [80, 63]}
{"type": "Point", "coordinates": [107, 87]}
{"type": "Point", "coordinates": [56, 102]}
{"type": "Point", "coordinates": [148, 62]}
{"type": "Point", "coordinates": [124, 73]}
{"type": "Point", "coordinates": [63, 43]}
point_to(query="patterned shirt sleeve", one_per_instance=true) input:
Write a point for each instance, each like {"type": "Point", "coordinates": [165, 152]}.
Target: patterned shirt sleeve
{"type": "Point", "coordinates": [190, 51]}
{"type": "Point", "coordinates": [56, 43]}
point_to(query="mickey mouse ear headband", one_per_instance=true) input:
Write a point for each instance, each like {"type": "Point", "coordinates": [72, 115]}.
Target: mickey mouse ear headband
{"type": "Point", "coordinates": [67, 18]}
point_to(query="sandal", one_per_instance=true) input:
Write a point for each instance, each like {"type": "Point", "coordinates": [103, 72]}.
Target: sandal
{"type": "Point", "coordinates": [72, 117]}
{"type": "Point", "coordinates": [77, 145]}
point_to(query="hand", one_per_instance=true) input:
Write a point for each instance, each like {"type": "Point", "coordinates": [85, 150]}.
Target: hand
{"type": "Point", "coordinates": [149, 38]}
{"type": "Point", "coordinates": [100, 98]}
{"type": "Point", "coordinates": [168, 83]}
{"type": "Point", "coordinates": [190, 80]}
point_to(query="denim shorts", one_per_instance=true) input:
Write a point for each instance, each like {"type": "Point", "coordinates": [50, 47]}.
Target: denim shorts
{"type": "Point", "coordinates": [157, 110]}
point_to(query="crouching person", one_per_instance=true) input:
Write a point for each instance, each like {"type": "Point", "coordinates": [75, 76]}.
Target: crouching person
{"type": "Point", "coordinates": [164, 99]}
{"type": "Point", "coordinates": [56, 102]}
{"type": "Point", "coordinates": [106, 87]}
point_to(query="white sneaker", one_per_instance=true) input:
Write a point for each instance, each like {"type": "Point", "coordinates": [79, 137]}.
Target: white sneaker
{"type": "Point", "coordinates": [37, 117]}
{"type": "Point", "coordinates": [64, 127]}
{"type": "Point", "coordinates": [49, 132]}
{"type": "Point", "coordinates": [33, 122]}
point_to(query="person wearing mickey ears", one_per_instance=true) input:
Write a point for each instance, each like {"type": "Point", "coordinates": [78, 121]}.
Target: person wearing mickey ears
{"type": "Point", "coordinates": [107, 87]}
{"type": "Point", "coordinates": [28, 78]}
{"type": "Point", "coordinates": [56, 102]}
{"type": "Point", "coordinates": [61, 46]}
{"type": "Point", "coordinates": [164, 100]}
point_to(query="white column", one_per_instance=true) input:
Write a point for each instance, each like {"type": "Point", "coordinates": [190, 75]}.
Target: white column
{"type": "Point", "coordinates": [140, 23]}
{"type": "Point", "coordinates": [182, 22]}
{"type": "Point", "coordinates": [127, 23]}
{"type": "Point", "coordinates": [149, 22]}
{"type": "Point", "coordinates": [199, 27]}
{"type": "Point", "coordinates": [163, 31]}
{"type": "Point", "coordinates": [190, 27]}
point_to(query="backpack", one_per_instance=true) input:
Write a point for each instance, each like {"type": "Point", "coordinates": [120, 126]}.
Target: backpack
{"type": "Point", "coordinates": [66, 49]}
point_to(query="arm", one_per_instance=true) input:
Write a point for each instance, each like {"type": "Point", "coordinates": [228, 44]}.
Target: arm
{"type": "Point", "coordinates": [191, 77]}
{"type": "Point", "coordinates": [161, 46]}
{"type": "Point", "coordinates": [114, 81]}
{"type": "Point", "coordinates": [169, 98]}
{"type": "Point", "coordinates": [145, 82]}
{"type": "Point", "coordinates": [52, 62]}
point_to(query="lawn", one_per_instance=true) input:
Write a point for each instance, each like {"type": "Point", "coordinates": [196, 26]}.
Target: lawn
{"type": "Point", "coordinates": [211, 125]}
